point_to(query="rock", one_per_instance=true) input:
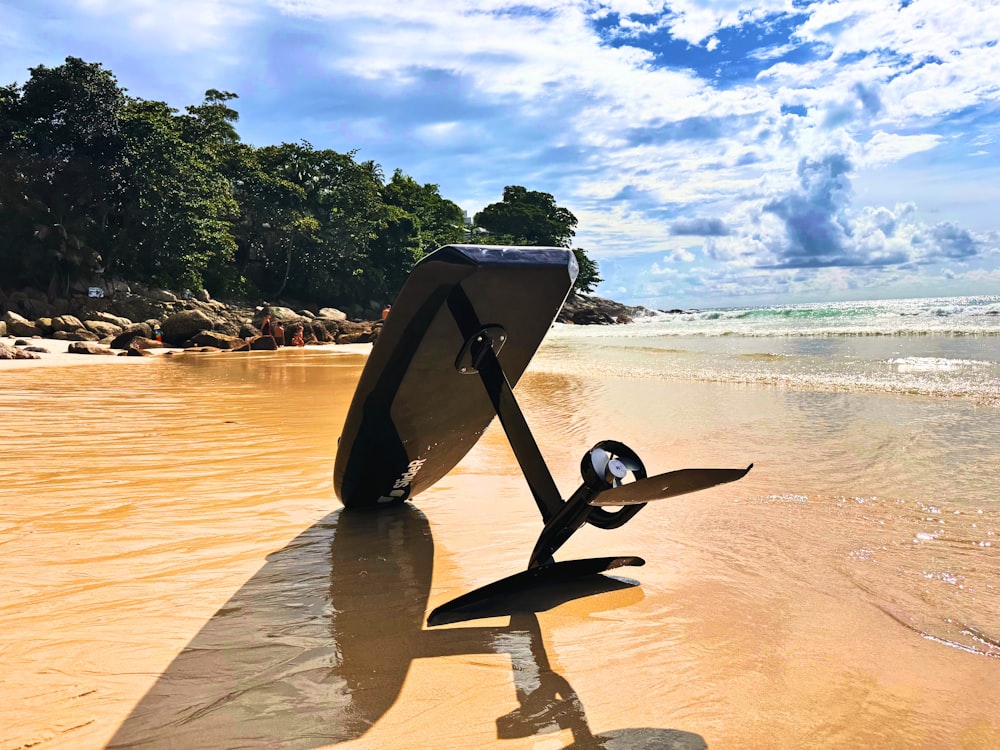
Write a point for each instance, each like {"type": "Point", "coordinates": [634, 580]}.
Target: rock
{"type": "Point", "coordinates": [3, 327]}
{"type": "Point", "coordinates": [81, 334]}
{"type": "Point", "coordinates": [102, 329]}
{"type": "Point", "coordinates": [162, 295]}
{"type": "Point", "coordinates": [36, 349]}
{"type": "Point", "coordinates": [263, 343]}
{"type": "Point", "coordinates": [181, 327]}
{"type": "Point", "coordinates": [283, 315]}
{"type": "Point", "coordinates": [332, 313]}
{"type": "Point", "coordinates": [217, 340]}
{"type": "Point", "coordinates": [584, 310]}
{"type": "Point", "coordinates": [66, 323]}
{"type": "Point", "coordinates": [117, 320]}
{"type": "Point", "coordinates": [135, 351]}
{"type": "Point", "coordinates": [135, 340]}
{"type": "Point", "coordinates": [44, 325]}
{"type": "Point", "coordinates": [18, 325]}
{"type": "Point", "coordinates": [88, 347]}
{"type": "Point", "coordinates": [11, 352]}
{"type": "Point", "coordinates": [202, 295]}
{"type": "Point", "coordinates": [352, 338]}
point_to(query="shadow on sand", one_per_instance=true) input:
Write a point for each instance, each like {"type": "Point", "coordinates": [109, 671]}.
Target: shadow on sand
{"type": "Point", "coordinates": [314, 649]}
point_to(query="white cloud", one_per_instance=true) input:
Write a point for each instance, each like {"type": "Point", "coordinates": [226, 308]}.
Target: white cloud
{"type": "Point", "coordinates": [482, 93]}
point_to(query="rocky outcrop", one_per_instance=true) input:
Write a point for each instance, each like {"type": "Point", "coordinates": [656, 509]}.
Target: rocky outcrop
{"type": "Point", "coordinates": [18, 325]}
{"type": "Point", "coordinates": [13, 352]}
{"type": "Point", "coordinates": [586, 310]}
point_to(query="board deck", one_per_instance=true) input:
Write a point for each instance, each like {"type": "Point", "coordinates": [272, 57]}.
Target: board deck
{"type": "Point", "coordinates": [415, 413]}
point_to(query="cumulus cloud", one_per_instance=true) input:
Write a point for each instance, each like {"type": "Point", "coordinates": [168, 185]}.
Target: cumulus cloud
{"type": "Point", "coordinates": [813, 225]}
{"type": "Point", "coordinates": [757, 127]}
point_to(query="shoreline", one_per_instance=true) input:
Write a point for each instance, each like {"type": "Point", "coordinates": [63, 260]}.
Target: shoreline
{"type": "Point", "coordinates": [58, 353]}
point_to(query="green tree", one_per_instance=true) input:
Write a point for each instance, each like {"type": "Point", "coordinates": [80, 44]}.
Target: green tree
{"type": "Point", "coordinates": [62, 171]}
{"type": "Point", "coordinates": [439, 221]}
{"type": "Point", "coordinates": [527, 217]}
{"type": "Point", "coordinates": [178, 219]}
{"type": "Point", "coordinates": [588, 278]}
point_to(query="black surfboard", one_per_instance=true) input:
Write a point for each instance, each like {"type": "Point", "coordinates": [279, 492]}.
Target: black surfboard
{"type": "Point", "coordinates": [420, 405]}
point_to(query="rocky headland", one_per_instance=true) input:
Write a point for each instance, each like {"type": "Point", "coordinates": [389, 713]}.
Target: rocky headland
{"type": "Point", "coordinates": [133, 320]}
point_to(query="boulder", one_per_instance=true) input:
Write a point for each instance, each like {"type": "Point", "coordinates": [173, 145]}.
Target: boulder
{"type": "Point", "coordinates": [107, 317]}
{"type": "Point", "coordinates": [283, 315]}
{"type": "Point", "coordinates": [134, 340]}
{"type": "Point", "coordinates": [332, 313]}
{"type": "Point", "coordinates": [181, 327]}
{"type": "Point", "coordinates": [135, 351]}
{"type": "Point", "coordinates": [18, 325]}
{"type": "Point", "coordinates": [263, 343]}
{"type": "Point", "coordinates": [316, 332]}
{"type": "Point", "coordinates": [44, 325]}
{"type": "Point", "coordinates": [102, 329]}
{"type": "Point", "coordinates": [3, 327]}
{"type": "Point", "coordinates": [353, 338]}
{"type": "Point", "coordinates": [88, 347]}
{"type": "Point", "coordinates": [217, 340]}
{"type": "Point", "coordinates": [66, 323]}
{"type": "Point", "coordinates": [161, 295]}
{"type": "Point", "coordinates": [12, 352]}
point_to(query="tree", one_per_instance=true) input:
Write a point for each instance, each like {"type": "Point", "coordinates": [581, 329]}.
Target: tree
{"type": "Point", "coordinates": [62, 170]}
{"type": "Point", "coordinates": [528, 218]}
{"type": "Point", "coordinates": [439, 221]}
{"type": "Point", "coordinates": [587, 279]}
{"type": "Point", "coordinates": [176, 228]}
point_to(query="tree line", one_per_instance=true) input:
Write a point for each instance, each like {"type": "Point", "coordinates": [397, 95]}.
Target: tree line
{"type": "Point", "coordinates": [93, 181]}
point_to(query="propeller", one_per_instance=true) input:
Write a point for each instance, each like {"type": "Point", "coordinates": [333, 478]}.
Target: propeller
{"type": "Point", "coordinates": [669, 484]}
{"type": "Point", "coordinates": [606, 465]}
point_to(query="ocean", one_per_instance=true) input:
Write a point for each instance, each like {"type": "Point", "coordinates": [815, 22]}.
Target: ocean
{"type": "Point", "coordinates": [946, 346]}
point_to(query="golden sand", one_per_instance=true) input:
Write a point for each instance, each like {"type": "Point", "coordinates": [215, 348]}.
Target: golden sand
{"type": "Point", "coordinates": [176, 572]}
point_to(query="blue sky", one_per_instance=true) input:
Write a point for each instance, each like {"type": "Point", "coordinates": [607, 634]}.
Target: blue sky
{"type": "Point", "coordinates": [715, 152]}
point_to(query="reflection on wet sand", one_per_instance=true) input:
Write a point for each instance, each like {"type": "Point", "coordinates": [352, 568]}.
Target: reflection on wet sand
{"type": "Point", "coordinates": [171, 573]}
{"type": "Point", "coordinates": [315, 649]}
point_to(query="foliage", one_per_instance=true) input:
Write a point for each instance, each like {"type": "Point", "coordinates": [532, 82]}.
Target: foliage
{"type": "Point", "coordinates": [93, 182]}
{"type": "Point", "coordinates": [528, 217]}
{"type": "Point", "coordinates": [62, 166]}
{"type": "Point", "coordinates": [439, 221]}
{"type": "Point", "coordinates": [588, 278]}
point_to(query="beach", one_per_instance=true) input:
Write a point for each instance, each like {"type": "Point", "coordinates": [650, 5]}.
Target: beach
{"type": "Point", "coordinates": [177, 571]}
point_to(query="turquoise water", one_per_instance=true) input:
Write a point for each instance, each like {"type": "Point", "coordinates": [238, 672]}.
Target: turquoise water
{"type": "Point", "coordinates": [939, 347]}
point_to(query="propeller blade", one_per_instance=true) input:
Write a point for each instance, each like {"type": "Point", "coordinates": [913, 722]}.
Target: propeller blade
{"type": "Point", "coordinates": [670, 484]}
{"type": "Point", "coordinates": [631, 465]}
{"type": "Point", "coordinates": [599, 459]}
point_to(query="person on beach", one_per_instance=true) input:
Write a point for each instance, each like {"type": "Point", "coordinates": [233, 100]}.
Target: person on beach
{"type": "Point", "coordinates": [385, 311]}
{"type": "Point", "coordinates": [297, 338]}
{"type": "Point", "coordinates": [279, 334]}
{"type": "Point", "coordinates": [266, 328]}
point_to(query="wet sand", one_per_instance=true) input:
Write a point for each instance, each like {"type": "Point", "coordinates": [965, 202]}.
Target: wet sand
{"type": "Point", "coordinates": [176, 572]}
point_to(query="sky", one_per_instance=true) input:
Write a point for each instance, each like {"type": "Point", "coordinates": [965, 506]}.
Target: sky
{"type": "Point", "coordinates": [716, 153]}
